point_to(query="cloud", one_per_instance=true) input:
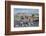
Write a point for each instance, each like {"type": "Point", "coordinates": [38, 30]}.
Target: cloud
{"type": "Point", "coordinates": [24, 10]}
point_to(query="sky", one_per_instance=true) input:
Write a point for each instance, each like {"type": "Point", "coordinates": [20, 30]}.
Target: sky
{"type": "Point", "coordinates": [24, 10]}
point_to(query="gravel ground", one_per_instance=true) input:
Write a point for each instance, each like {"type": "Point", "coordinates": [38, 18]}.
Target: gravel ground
{"type": "Point", "coordinates": [25, 24]}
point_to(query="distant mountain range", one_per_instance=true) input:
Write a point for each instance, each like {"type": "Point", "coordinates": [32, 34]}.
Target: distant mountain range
{"type": "Point", "coordinates": [28, 14]}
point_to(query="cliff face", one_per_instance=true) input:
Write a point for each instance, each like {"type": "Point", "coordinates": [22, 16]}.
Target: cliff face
{"type": "Point", "coordinates": [26, 17]}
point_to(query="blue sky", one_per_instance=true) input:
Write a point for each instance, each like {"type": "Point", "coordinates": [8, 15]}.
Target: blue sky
{"type": "Point", "coordinates": [24, 10]}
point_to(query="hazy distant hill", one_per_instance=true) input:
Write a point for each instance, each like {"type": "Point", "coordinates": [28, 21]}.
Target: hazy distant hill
{"type": "Point", "coordinates": [28, 14]}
